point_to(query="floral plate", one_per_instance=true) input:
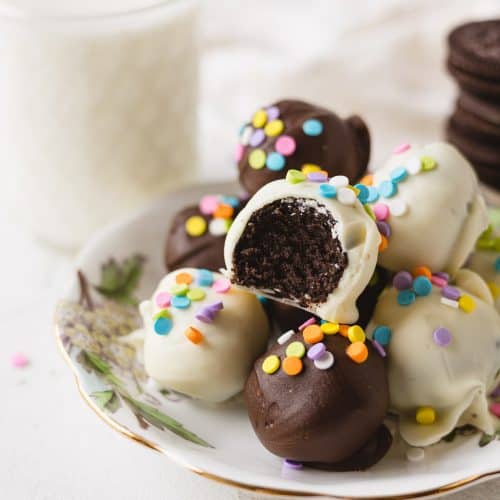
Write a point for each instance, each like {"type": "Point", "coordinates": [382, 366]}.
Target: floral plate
{"type": "Point", "coordinates": [122, 265]}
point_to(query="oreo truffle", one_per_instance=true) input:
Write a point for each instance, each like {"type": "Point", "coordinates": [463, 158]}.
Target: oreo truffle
{"type": "Point", "coordinates": [197, 233]}
{"type": "Point", "coordinates": [309, 401]}
{"type": "Point", "coordinates": [292, 134]}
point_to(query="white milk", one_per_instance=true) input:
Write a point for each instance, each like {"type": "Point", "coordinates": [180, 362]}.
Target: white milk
{"type": "Point", "coordinates": [97, 109]}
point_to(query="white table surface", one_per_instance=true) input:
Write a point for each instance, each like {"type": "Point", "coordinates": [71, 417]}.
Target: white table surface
{"type": "Point", "coordinates": [51, 444]}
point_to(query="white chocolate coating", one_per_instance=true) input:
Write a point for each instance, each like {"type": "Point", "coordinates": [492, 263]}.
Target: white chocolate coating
{"type": "Point", "coordinates": [454, 379]}
{"type": "Point", "coordinates": [217, 368]}
{"type": "Point", "coordinates": [355, 230]}
{"type": "Point", "coordinates": [446, 212]}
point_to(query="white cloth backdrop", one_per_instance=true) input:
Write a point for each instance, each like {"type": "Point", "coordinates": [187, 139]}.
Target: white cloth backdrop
{"type": "Point", "coordinates": [381, 59]}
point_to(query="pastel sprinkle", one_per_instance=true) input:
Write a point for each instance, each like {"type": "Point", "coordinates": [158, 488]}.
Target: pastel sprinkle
{"type": "Point", "coordinates": [246, 133]}
{"type": "Point", "coordinates": [180, 302]}
{"type": "Point", "coordinates": [292, 464]}
{"type": "Point", "coordinates": [239, 152]}
{"type": "Point", "coordinates": [205, 277]}
{"type": "Point", "coordinates": [382, 334]}
{"type": "Point", "coordinates": [271, 364]}
{"type": "Point", "coordinates": [414, 165]}
{"type": "Point", "coordinates": [329, 328]}
{"type": "Point", "coordinates": [216, 306]}
{"type": "Point", "coordinates": [369, 211]}
{"type": "Point", "coordinates": [379, 348]}
{"type": "Point", "coordinates": [274, 128]}
{"type": "Point", "coordinates": [415, 454]}
{"type": "Point", "coordinates": [422, 286]}
{"type": "Point", "coordinates": [398, 207]}
{"type": "Point", "coordinates": [497, 265]}
{"type": "Point", "coordinates": [19, 360]}
{"type": "Point", "coordinates": [384, 228]}
{"type": "Point", "coordinates": [222, 285]}
{"type": "Point", "coordinates": [317, 177]}
{"type": "Point", "coordinates": [406, 297]}
{"type": "Point", "coordinates": [312, 127]}
{"type": "Point", "coordinates": [384, 243]}
{"type": "Point", "coordinates": [196, 294]}
{"type": "Point", "coordinates": [296, 349]}
{"type": "Point", "coordinates": [442, 336]}
{"type": "Point", "coordinates": [495, 409]}
{"type": "Point", "coordinates": [194, 335]}
{"type": "Point", "coordinates": [223, 211]}
{"type": "Point", "coordinates": [387, 189]}
{"type": "Point", "coordinates": [208, 204]}
{"type": "Point", "coordinates": [231, 200]}
{"type": "Point", "coordinates": [218, 227]}
{"type": "Point", "coordinates": [442, 275]}
{"type": "Point", "coordinates": [259, 119]}
{"type": "Point", "coordinates": [373, 194]}
{"type": "Point", "coordinates": [195, 226]}
{"type": "Point", "coordinates": [275, 161]}
{"type": "Point", "coordinates": [402, 280]}
{"type": "Point", "coordinates": [273, 112]}
{"type": "Point", "coordinates": [358, 352]}
{"type": "Point", "coordinates": [310, 321]}
{"type": "Point", "coordinates": [425, 415]}
{"type": "Point", "coordinates": [257, 138]}
{"type": "Point", "coordinates": [325, 362]}
{"type": "Point", "coordinates": [163, 299]}
{"type": "Point", "coordinates": [292, 366]}
{"type": "Point", "coordinates": [440, 282]}
{"type": "Point", "coordinates": [428, 163]}
{"type": "Point", "coordinates": [363, 193]}
{"type": "Point", "coordinates": [307, 168]}
{"type": "Point", "coordinates": [339, 181]}
{"type": "Point", "coordinates": [179, 289]}
{"type": "Point", "coordinates": [422, 271]}
{"type": "Point", "coordinates": [316, 351]}
{"type": "Point", "coordinates": [162, 326]}
{"type": "Point", "coordinates": [449, 302]}
{"type": "Point", "coordinates": [327, 190]}
{"type": "Point", "coordinates": [184, 278]}
{"type": "Point", "coordinates": [450, 292]}
{"type": "Point", "coordinates": [295, 176]}
{"type": "Point", "coordinates": [285, 145]}
{"type": "Point", "coordinates": [356, 334]}
{"type": "Point", "coordinates": [313, 334]}
{"type": "Point", "coordinates": [466, 303]}
{"type": "Point", "coordinates": [164, 313]}
{"type": "Point", "coordinates": [285, 337]}
{"type": "Point", "coordinates": [401, 148]}
{"type": "Point", "coordinates": [346, 196]}
{"type": "Point", "coordinates": [257, 159]}
{"type": "Point", "coordinates": [399, 174]}
{"type": "Point", "coordinates": [381, 211]}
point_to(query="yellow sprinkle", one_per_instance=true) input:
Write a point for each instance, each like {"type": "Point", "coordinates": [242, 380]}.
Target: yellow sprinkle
{"type": "Point", "coordinates": [356, 334]}
{"type": "Point", "coordinates": [330, 328]}
{"type": "Point", "coordinates": [196, 294]}
{"type": "Point", "coordinates": [257, 159]}
{"type": "Point", "coordinates": [494, 289]}
{"type": "Point", "coordinates": [354, 189]}
{"type": "Point", "coordinates": [425, 415]}
{"type": "Point", "coordinates": [428, 163]}
{"type": "Point", "coordinates": [259, 119]}
{"type": "Point", "coordinates": [296, 350]}
{"type": "Point", "coordinates": [466, 303]}
{"type": "Point", "coordinates": [274, 128]}
{"type": "Point", "coordinates": [271, 364]}
{"type": "Point", "coordinates": [196, 225]}
{"type": "Point", "coordinates": [309, 168]}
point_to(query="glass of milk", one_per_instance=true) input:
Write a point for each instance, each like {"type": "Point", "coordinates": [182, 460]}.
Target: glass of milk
{"type": "Point", "coordinates": [97, 109]}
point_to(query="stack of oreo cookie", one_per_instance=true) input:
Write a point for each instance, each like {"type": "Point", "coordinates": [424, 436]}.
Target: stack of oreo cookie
{"type": "Point", "coordinates": [474, 126]}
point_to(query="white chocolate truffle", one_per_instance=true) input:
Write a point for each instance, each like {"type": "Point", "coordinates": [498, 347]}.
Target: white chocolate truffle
{"type": "Point", "coordinates": [232, 337]}
{"type": "Point", "coordinates": [436, 210]}
{"type": "Point", "coordinates": [443, 362]}
{"type": "Point", "coordinates": [307, 244]}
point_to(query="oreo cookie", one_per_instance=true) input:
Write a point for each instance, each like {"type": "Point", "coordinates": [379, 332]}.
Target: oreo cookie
{"type": "Point", "coordinates": [486, 109]}
{"type": "Point", "coordinates": [475, 126]}
{"type": "Point", "coordinates": [470, 82]}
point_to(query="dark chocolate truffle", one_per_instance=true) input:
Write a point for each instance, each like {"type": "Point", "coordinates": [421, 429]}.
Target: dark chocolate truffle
{"type": "Point", "coordinates": [197, 233]}
{"type": "Point", "coordinates": [290, 134]}
{"type": "Point", "coordinates": [329, 418]}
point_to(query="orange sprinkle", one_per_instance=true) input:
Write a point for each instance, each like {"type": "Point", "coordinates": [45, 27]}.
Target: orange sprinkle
{"type": "Point", "coordinates": [185, 278]}
{"type": "Point", "coordinates": [223, 211]}
{"type": "Point", "coordinates": [194, 335]}
{"type": "Point", "coordinates": [422, 271]}
{"type": "Point", "coordinates": [358, 352]}
{"type": "Point", "coordinates": [313, 334]}
{"type": "Point", "coordinates": [292, 366]}
{"type": "Point", "coordinates": [343, 330]}
{"type": "Point", "coordinates": [367, 180]}
{"type": "Point", "coordinates": [325, 172]}
{"type": "Point", "coordinates": [384, 243]}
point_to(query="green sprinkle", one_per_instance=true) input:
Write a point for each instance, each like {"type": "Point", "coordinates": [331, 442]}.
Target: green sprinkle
{"type": "Point", "coordinates": [196, 294]}
{"type": "Point", "coordinates": [295, 176]}
{"type": "Point", "coordinates": [164, 313]}
{"type": "Point", "coordinates": [296, 349]}
{"type": "Point", "coordinates": [428, 163]}
{"type": "Point", "coordinates": [485, 244]}
{"type": "Point", "coordinates": [179, 290]}
{"type": "Point", "coordinates": [369, 211]}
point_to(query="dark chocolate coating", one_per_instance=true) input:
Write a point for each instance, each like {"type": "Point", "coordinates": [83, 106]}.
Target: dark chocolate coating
{"type": "Point", "coordinates": [343, 148]}
{"type": "Point", "coordinates": [329, 418]}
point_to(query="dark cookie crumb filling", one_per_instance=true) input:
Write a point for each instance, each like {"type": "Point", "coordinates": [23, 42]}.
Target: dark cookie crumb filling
{"type": "Point", "coordinates": [289, 250]}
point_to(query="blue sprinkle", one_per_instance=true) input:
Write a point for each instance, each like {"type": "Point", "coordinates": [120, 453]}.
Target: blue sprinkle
{"type": "Point", "coordinates": [231, 201]}
{"type": "Point", "coordinates": [323, 321]}
{"type": "Point", "coordinates": [363, 193]}
{"type": "Point", "coordinates": [399, 174]}
{"type": "Point", "coordinates": [327, 190]}
{"type": "Point", "coordinates": [275, 161]}
{"type": "Point", "coordinates": [262, 299]}
{"type": "Point", "coordinates": [181, 302]}
{"type": "Point", "coordinates": [242, 128]}
{"type": "Point", "coordinates": [382, 334]}
{"type": "Point", "coordinates": [406, 297]}
{"type": "Point", "coordinates": [387, 189]}
{"type": "Point", "coordinates": [163, 326]}
{"type": "Point", "coordinates": [312, 127]}
{"type": "Point", "coordinates": [497, 265]}
{"type": "Point", "coordinates": [422, 286]}
{"type": "Point", "coordinates": [373, 195]}
{"type": "Point", "coordinates": [205, 277]}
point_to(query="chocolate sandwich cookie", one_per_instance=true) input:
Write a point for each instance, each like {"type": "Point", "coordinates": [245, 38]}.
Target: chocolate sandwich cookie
{"type": "Point", "coordinates": [474, 126]}
{"type": "Point", "coordinates": [469, 82]}
{"type": "Point", "coordinates": [485, 109]}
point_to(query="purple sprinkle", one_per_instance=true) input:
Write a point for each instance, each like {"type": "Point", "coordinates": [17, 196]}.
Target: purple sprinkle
{"type": "Point", "coordinates": [384, 228]}
{"type": "Point", "coordinates": [292, 464]}
{"type": "Point", "coordinates": [402, 280]}
{"type": "Point", "coordinates": [317, 177]}
{"type": "Point", "coordinates": [216, 306]}
{"type": "Point", "coordinates": [444, 276]}
{"type": "Point", "coordinates": [450, 293]}
{"type": "Point", "coordinates": [204, 316]}
{"type": "Point", "coordinates": [310, 321]}
{"type": "Point", "coordinates": [273, 112]}
{"type": "Point", "coordinates": [496, 392]}
{"type": "Point", "coordinates": [379, 348]}
{"type": "Point", "coordinates": [257, 138]}
{"type": "Point", "coordinates": [244, 196]}
{"type": "Point", "coordinates": [442, 336]}
{"type": "Point", "coordinates": [316, 351]}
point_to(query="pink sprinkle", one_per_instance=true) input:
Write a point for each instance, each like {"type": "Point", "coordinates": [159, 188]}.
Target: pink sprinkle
{"type": "Point", "coordinates": [19, 360]}
{"type": "Point", "coordinates": [285, 145]}
{"type": "Point", "coordinates": [440, 282]}
{"type": "Point", "coordinates": [222, 285]}
{"type": "Point", "coordinates": [401, 148]}
{"type": "Point", "coordinates": [163, 299]}
{"type": "Point", "coordinates": [310, 321]}
{"type": "Point", "coordinates": [495, 409]}
{"type": "Point", "coordinates": [381, 211]}
{"type": "Point", "coordinates": [379, 348]}
{"type": "Point", "coordinates": [238, 154]}
{"type": "Point", "coordinates": [208, 204]}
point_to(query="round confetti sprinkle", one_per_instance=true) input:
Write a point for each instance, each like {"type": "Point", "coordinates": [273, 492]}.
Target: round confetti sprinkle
{"type": "Point", "coordinates": [320, 176]}
{"type": "Point", "coordinates": [223, 211]}
{"type": "Point", "coordinates": [312, 127]}
{"type": "Point", "coordinates": [367, 180]}
{"type": "Point", "coordinates": [339, 181]}
{"type": "Point", "coordinates": [442, 336]}
{"type": "Point", "coordinates": [307, 168]}
{"type": "Point", "coordinates": [231, 200]}
{"type": "Point", "coordinates": [194, 335]}
{"type": "Point", "coordinates": [450, 292]}
{"type": "Point", "coordinates": [327, 190]}
{"type": "Point", "coordinates": [397, 207]}
{"type": "Point", "coordinates": [384, 228]}
{"type": "Point", "coordinates": [422, 286]}
{"type": "Point", "coordinates": [425, 415]}
{"type": "Point", "coordinates": [246, 133]}
{"type": "Point", "coordinates": [440, 282]}
{"type": "Point", "coordinates": [181, 302]}
{"type": "Point", "coordinates": [399, 174]}
{"type": "Point", "coordinates": [358, 352]}
{"type": "Point", "coordinates": [163, 299]}
{"type": "Point", "coordinates": [285, 145]}
{"type": "Point", "coordinates": [222, 285]}
{"type": "Point", "coordinates": [402, 280]}
{"type": "Point", "coordinates": [346, 196]}
{"type": "Point", "coordinates": [179, 289]}
{"type": "Point", "coordinates": [406, 297]}
{"type": "Point", "coordinates": [343, 330]}
{"type": "Point", "coordinates": [296, 349]}
{"type": "Point", "coordinates": [285, 337]}
{"type": "Point", "coordinates": [195, 226]}
{"type": "Point", "coordinates": [373, 194]}
{"type": "Point", "coordinates": [275, 162]}
{"type": "Point", "coordinates": [184, 278]}
{"type": "Point", "coordinates": [295, 176]}
{"type": "Point", "coordinates": [466, 303]}
{"type": "Point", "coordinates": [316, 351]}
{"type": "Point", "coordinates": [401, 148]}
{"type": "Point", "coordinates": [381, 211]}
{"type": "Point", "coordinates": [164, 313]}
{"type": "Point", "coordinates": [382, 334]}
{"type": "Point", "coordinates": [495, 409]}
{"type": "Point", "coordinates": [379, 348]}
{"type": "Point", "coordinates": [19, 360]}
{"type": "Point", "coordinates": [292, 464]}
{"type": "Point", "coordinates": [271, 364]}
{"type": "Point", "coordinates": [422, 271]}
{"type": "Point", "coordinates": [257, 138]}
{"type": "Point", "coordinates": [363, 193]}
{"type": "Point", "coordinates": [274, 128]}
{"type": "Point", "coordinates": [415, 454]}
{"type": "Point", "coordinates": [259, 119]}
{"type": "Point", "coordinates": [356, 334]}
{"type": "Point", "coordinates": [414, 165]}
{"type": "Point", "coordinates": [442, 275]}
{"type": "Point", "coordinates": [218, 227]}
{"type": "Point", "coordinates": [329, 328]}
{"type": "Point", "coordinates": [162, 326]}
{"type": "Point", "coordinates": [497, 265]}
{"type": "Point", "coordinates": [384, 243]}
{"type": "Point", "coordinates": [208, 204]}
{"type": "Point", "coordinates": [428, 163]}
{"type": "Point", "coordinates": [273, 112]}
{"type": "Point", "coordinates": [449, 302]}
{"type": "Point", "coordinates": [204, 277]}
{"type": "Point", "coordinates": [387, 189]}
{"type": "Point", "coordinates": [325, 361]}
{"type": "Point", "coordinates": [292, 365]}
{"type": "Point", "coordinates": [239, 152]}
{"type": "Point", "coordinates": [257, 159]}
{"type": "Point", "coordinates": [310, 321]}
{"type": "Point", "coordinates": [196, 294]}
{"type": "Point", "coordinates": [313, 334]}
